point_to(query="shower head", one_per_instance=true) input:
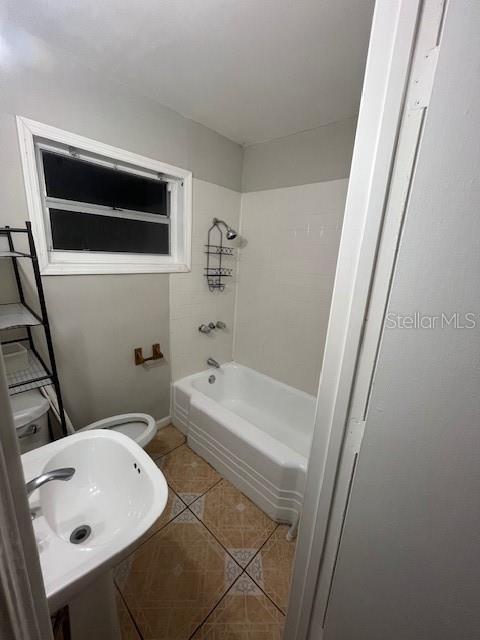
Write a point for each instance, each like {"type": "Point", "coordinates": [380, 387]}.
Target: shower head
{"type": "Point", "coordinates": [231, 233]}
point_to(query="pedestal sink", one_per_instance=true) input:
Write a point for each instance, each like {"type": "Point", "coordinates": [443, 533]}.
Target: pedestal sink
{"type": "Point", "coordinates": [114, 497]}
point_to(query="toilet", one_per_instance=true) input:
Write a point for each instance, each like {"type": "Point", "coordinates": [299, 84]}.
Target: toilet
{"type": "Point", "coordinates": [140, 427]}
{"type": "Point", "coordinates": [30, 410]}
{"type": "Point", "coordinates": [30, 417]}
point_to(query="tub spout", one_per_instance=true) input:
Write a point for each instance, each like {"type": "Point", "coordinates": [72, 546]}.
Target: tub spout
{"type": "Point", "coordinates": [213, 363]}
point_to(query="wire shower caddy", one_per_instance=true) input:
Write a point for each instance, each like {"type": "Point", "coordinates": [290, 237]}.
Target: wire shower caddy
{"type": "Point", "coordinates": [215, 271]}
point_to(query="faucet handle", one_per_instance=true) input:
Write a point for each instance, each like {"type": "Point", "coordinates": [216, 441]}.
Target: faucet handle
{"type": "Point", "coordinates": [221, 325]}
{"type": "Point", "coordinates": [204, 328]}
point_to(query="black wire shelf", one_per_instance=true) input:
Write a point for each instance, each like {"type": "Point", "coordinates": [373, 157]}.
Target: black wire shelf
{"type": "Point", "coordinates": [218, 271]}
{"type": "Point", "coordinates": [219, 250]}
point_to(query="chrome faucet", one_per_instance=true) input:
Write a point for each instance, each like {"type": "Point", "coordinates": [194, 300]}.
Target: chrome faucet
{"type": "Point", "coordinates": [205, 328]}
{"type": "Point", "coordinates": [56, 474]}
{"type": "Point", "coordinates": [208, 328]}
{"type": "Point", "coordinates": [213, 363]}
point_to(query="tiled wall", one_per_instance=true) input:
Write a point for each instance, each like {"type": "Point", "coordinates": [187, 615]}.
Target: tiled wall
{"type": "Point", "coordinates": [285, 279]}
{"type": "Point", "coordinates": [191, 303]}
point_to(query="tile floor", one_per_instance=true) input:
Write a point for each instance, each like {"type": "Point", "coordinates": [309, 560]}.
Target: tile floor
{"type": "Point", "coordinates": [213, 567]}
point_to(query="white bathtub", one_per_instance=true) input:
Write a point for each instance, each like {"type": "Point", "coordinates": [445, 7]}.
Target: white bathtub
{"type": "Point", "coordinates": [254, 430]}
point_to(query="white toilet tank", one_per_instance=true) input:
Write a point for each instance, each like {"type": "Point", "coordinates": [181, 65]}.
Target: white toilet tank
{"type": "Point", "coordinates": [30, 416]}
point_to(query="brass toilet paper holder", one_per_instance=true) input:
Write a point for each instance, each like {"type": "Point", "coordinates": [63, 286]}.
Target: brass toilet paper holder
{"type": "Point", "coordinates": [156, 354]}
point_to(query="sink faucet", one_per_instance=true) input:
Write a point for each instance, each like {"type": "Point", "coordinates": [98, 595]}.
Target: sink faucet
{"type": "Point", "coordinates": [213, 363]}
{"type": "Point", "coordinates": [56, 474]}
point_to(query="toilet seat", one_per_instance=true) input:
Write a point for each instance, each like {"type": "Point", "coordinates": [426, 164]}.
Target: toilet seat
{"type": "Point", "coordinates": [140, 427]}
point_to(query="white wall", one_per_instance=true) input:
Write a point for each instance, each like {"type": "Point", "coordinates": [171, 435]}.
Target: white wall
{"type": "Point", "coordinates": [316, 155]}
{"type": "Point", "coordinates": [293, 199]}
{"type": "Point", "coordinates": [98, 320]}
{"type": "Point", "coordinates": [191, 302]}
{"type": "Point", "coordinates": [408, 561]}
{"type": "Point", "coordinates": [285, 280]}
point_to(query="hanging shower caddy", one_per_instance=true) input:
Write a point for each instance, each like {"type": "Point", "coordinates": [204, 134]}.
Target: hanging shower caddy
{"type": "Point", "coordinates": [215, 271]}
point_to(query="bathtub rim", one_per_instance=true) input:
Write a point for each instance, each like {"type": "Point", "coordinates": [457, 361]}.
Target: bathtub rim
{"type": "Point", "coordinates": [269, 472]}
{"type": "Point", "coordinates": [186, 385]}
{"type": "Point", "coordinates": [233, 364]}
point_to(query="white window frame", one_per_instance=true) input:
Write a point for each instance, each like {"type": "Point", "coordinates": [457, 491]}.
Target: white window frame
{"type": "Point", "coordinates": [34, 135]}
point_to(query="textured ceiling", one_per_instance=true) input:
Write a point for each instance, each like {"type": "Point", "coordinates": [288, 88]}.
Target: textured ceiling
{"type": "Point", "coordinates": [252, 70]}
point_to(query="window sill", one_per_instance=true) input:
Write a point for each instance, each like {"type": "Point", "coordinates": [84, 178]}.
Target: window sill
{"type": "Point", "coordinates": [91, 268]}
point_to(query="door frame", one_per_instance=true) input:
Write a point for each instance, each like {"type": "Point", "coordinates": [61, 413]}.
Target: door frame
{"type": "Point", "coordinates": [24, 605]}
{"type": "Point", "coordinates": [356, 315]}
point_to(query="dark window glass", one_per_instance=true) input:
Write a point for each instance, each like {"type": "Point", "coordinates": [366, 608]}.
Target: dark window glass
{"type": "Point", "coordinates": [72, 179]}
{"type": "Point", "coordinates": [73, 231]}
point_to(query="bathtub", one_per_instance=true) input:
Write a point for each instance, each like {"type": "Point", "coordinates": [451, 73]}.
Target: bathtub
{"type": "Point", "coordinates": [253, 430]}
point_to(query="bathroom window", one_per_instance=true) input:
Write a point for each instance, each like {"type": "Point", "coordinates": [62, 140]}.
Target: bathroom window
{"type": "Point", "coordinates": [92, 207]}
{"type": "Point", "coordinates": [99, 209]}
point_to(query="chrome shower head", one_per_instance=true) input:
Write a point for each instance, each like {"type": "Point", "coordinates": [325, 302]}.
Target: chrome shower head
{"type": "Point", "coordinates": [231, 233]}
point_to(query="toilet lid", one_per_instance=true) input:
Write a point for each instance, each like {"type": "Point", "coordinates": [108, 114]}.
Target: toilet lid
{"type": "Point", "coordinates": [28, 406]}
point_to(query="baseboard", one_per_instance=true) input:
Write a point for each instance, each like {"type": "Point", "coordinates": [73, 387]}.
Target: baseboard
{"type": "Point", "coordinates": [163, 422]}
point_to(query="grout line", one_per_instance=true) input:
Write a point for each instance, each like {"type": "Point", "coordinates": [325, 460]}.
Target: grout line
{"type": "Point", "coordinates": [277, 524]}
{"type": "Point", "coordinates": [244, 572]}
{"type": "Point", "coordinates": [266, 594]}
{"type": "Point", "coordinates": [165, 453]}
{"type": "Point", "coordinates": [148, 538]}
{"type": "Point", "coordinates": [132, 617]}
{"type": "Point", "coordinates": [187, 508]}
{"type": "Point", "coordinates": [215, 606]}
{"type": "Point", "coordinates": [218, 541]}
{"type": "Point", "coordinates": [253, 579]}
{"type": "Point", "coordinates": [201, 495]}
{"type": "Point", "coordinates": [139, 547]}
{"type": "Point", "coordinates": [244, 569]}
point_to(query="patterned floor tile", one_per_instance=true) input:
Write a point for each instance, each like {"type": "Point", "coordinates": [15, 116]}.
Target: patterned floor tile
{"type": "Point", "coordinates": [187, 473]}
{"type": "Point", "coordinates": [127, 628]}
{"type": "Point", "coordinates": [245, 613]}
{"type": "Point", "coordinates": [167, 439]}
{"type": "Point", "coordinates": [234, 520]}
{"type": "Point", "coordinates": [174, 580]}
{"type": "Point", "coordinates": [272, 567]}
{"type": "Point", "coordinates": [173, 508]}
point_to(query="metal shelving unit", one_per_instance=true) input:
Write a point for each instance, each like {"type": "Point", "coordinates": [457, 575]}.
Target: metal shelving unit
{"type": "Point", "coordinates": [16, 315]}
{"type": "Point", "coordinates": [19, 315]}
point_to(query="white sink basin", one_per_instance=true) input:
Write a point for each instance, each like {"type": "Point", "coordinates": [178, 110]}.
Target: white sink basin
{"type": "Point", "coordinates": [117, 490]}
